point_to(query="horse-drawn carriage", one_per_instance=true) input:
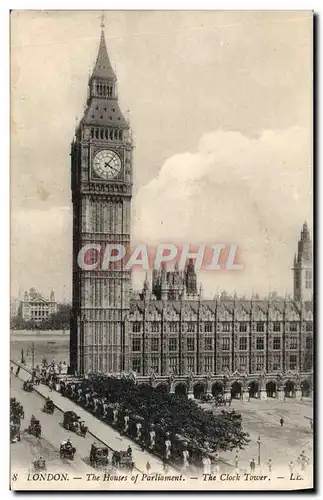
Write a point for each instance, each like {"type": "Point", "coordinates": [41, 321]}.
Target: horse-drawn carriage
{"type": "Point", "coordinates": [39, 464]}
{"type": "Point", "coordinates": [27, 386]}
{"type": "Point", "coordinates": [122, 460]}
{"type": "Point", "coordinates": [67, 451]}
{"type": "Point", "coordinates": [49, 407]}
{"type": "Point", "coordinates": [99, 457]}
{"type": "Point", "coordinates": [14, 432]}
{"type": "Point", "coordinates": [72, 422]}
{"type": "Point", "coordinates": [34, 428]}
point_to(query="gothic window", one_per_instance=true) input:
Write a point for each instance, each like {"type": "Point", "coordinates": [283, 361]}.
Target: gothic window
{"type": "Point", "coordinates": [120, 135]}
{"type": "Point", "coordinates": [276, 362]}
{"type": "Point", "coordinates": [102, 133]}
{"type": "Point", "coordinates": [136, 344]}
{"type": "Point", "coordinates": [226, 344]}
{"type": "Point", "coordinates": [111, 134]}
{"type": "Point", "coordinates": [208, 343]}
{"type": "Point", "coordinates": [136, 327]}
{"type": "Point", "coordinates": [191, 363]}
{"type": "Point", "coordinates": [293, 326]}
{"type": "Point", "coordinates": [243, 342]}
{"type": "Point", "coordinates": [155, 327]}
{"type": "Point", "coordinates": [243, 326]}
{"type": "Point", "coordinates": [208, 327]}
{"type": "Point", "coordinates": [260, 362]}
{"type": "Point", "coordinates": [190, 344]}
{"type": "Point", "coordinates": [191, 327]}
{"type": "Point", "coordinates": [225, 362]}
{"type": "Point", "coordinates": [92, 132]}
{"type": "Point", "coordinates": [308, 278]}
{"type": "Point", "coordinates": [107, 133]}
{"type": "Point", "coordinates": [116, 134]}
{"type": "Point", "coordinates": [276, 343]}
{"type": "Point", "coordinates": [243, 362]}
{"type": "Point", "coordinates": [309, 342]}
{"type": "Point", "coordinates": [276, 326]}
{"type": "Point", "coordinates": [260, 326]}
{"type": "Point", "coordinates": [173, 327]}
{"type": "Point", "coordinates": [309, 326]}
{"type": "Point", "coordinates": [260, 343]}
{"type": "Point", "coordinates": [136, 365]}
{"type": "Point", "coordinates": [172, 344]}
{"type": "Point", "coordinates": [155, 344]}
{"type": "Point", "coordinates": [208, 364]}
{"type": "Point", "coordinates": [97, 133]}
{"type": "Point", "coordinates": [173, 364]}
{"type": "Point", "coordinates": [292, 362]}
{"type": "Point", "coordinates": [293, 343]}
{"type": "Point", "coordinates": [97, 89]}
{"type": "Point", "coordinates": [155, 364]}
{"type": "Point", "coordinates": [226, 326]}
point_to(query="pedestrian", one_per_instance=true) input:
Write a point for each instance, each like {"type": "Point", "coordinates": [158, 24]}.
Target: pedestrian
{"type": "Point", "coordinates": [148, 467]}
{"type": "Point", "coordinates": [236, 464]}
{"type": "Point", "coordinates": [252, 465]}
{"type": "Point", "coordinates": [281, 421]}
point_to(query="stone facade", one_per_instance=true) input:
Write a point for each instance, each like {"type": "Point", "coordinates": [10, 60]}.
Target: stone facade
{"type": "Point", "coordinates": [36, 308]}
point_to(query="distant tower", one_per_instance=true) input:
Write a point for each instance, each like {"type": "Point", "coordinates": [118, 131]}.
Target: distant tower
{"type": "Point", "coordinates": [190, 280]}
{"type": "Point", "coordinates": [303, 267]}
{"type": "Point", "coordinates": [52, 296]}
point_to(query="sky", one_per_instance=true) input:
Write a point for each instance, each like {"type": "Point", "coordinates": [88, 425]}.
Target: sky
{"type": "Point", "coordinates": [220, 105]}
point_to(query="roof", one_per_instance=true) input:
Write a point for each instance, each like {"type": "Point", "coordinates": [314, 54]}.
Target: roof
{"type": "Point", "coordinates": [104, 112]}
{"type": "Point", "coordinates": [103, 68]}
{"type": "Point", "coordinates": [228, 305]}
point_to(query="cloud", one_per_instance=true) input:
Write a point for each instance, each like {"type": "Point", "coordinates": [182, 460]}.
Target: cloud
{"type": "Point", "coordinates": [252, 191]}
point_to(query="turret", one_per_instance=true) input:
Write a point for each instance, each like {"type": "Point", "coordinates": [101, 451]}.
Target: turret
{"type": "Point", "coordinates": [303, 267]}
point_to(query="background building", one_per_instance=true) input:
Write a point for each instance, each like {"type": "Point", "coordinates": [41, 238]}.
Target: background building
{"type": "Point", "coordinates": [36, 308]}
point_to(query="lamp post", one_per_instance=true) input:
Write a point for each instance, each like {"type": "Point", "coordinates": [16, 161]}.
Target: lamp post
{"type": "Point", "coordinates": [259, 443]}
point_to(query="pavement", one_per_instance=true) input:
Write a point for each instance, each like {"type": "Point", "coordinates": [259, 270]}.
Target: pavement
{"type": "Point", "coordinates": [99, 430]}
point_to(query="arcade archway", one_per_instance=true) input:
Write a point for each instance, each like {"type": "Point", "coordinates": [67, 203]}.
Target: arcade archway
{"type": "Point", "coordinates": [289, 389]}
{"type": "Point", "coordinates": [236, 390]}
{"type": "Point", "coordinates": [306, 388]}
{"type": "Point", "coordinates": [198, 390]}
{"type": "Point", "coordinates": [271, 389]}
{"type": "Point", "coordinates": [217, 389]}
{"type": "Point", "coordinates": [253, 389]}
{"type": "Point", "coordinates": [181, 390]}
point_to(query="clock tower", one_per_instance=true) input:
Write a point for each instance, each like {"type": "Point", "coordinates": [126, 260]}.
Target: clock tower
{"type": "Point", "coordinates": [101, 183]}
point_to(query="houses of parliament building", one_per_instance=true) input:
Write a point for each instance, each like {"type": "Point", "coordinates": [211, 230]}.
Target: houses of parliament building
{"type": "Point", "coordinates": [167, 334]}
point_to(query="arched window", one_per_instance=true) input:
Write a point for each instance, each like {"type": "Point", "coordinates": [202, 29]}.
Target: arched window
{"type": "Point", "coordinates": [116, 134]}
{"type": "Point", "coordinates": [97, 133]}
{"type": "Point", "coordinates": [92, 132]}
{"type": "Point", "coordinates": [111, 134]}
{"type": "Point", "coordinates": [120, 135]}
{"type": "Point", "coordinates": [102, 133]}
{"type": "Point", "coordinates": [97, 89]}
{"type": "Point", "coordinates": [107, 133]}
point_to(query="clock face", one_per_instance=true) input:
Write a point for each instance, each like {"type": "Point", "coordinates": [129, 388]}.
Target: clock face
{"type": "Point", "coordinates": [107, 164]}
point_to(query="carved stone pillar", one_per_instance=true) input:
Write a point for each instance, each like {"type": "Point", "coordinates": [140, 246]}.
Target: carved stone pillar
{"type": "Point", "coordinates": [245, 395]}
{"type": "Point", "coordinates": [263, 394]}
{"type": "Point", "coordinates": [281, 393]}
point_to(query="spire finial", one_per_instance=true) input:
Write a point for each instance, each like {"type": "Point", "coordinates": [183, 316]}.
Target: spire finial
{"type": "Point", "coordinates": [102, 21]}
